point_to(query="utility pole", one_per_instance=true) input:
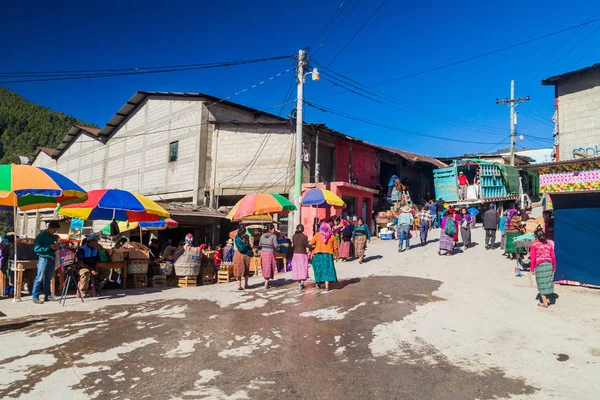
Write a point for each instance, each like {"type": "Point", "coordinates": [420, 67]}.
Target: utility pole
{"type": "Point", "coordinates": [513, 122]}
{"type": "Point", "coordinates": [299, 141]}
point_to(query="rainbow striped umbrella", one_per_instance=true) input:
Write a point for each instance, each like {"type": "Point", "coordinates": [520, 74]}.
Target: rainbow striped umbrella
{"type": "Point", "coordinates": [26, 187]}
{"type": "Point", "coordinates": [115, 204]}
{"type": "Point", "coordinates": [30, 188]}
{"type": "Point", "coordinates": [258, 204]}
{"type": "Point", "coordinates": [321, 198]}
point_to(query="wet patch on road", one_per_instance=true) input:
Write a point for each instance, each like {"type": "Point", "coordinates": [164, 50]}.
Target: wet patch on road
{"type": "Point", "coordinates": [280, 343]}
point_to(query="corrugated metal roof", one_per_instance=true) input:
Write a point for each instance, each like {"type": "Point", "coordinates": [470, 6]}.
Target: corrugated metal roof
{"type": "Point", "coordinates": [554, 79]}
{"type": "Point", "coordinates": [188, 209]}
{"type": "Point", "coordinates": [413, 157]}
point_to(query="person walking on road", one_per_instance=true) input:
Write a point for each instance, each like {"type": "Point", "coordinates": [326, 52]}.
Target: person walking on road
{"type": "Point", "coordinates": [404, 223]}
{"type": "Point", "coordinates": [433, 211]}
{"type": "Point", "coordinates": [441, 211]}
{"type": "Point", "coordinates": [361, 235]}
{"type": "Point", "coordinates": [267, 245]}
{"type": "Point", "coordinates": [300, 258]}
{"type": "Point", "coordinates": [463, 184]}
{"type": "Point", "coordinates": [45, 247]}
{"type": "Point", "coordinates": [241, 257]}
{"type": "Point", "coordinates": [424, 224]}
{"type": "Point", "coordinates": [448, 229]}
{"type": "Point", "coordinates": [464, 221]}
{"type": "Point", "coordinates": [543, 265]}
{"type": "Point", "coordinates": [490, 224]}
{"type": "Point", "coordinates": [345, 243]}
{"type": "Point", "coordinates": [323, 244]}
{"type": "Point", "coordinates": [502, 229]}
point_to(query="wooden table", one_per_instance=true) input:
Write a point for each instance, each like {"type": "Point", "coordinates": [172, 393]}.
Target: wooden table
{"type": "Point", "coordinates": [22, 265]}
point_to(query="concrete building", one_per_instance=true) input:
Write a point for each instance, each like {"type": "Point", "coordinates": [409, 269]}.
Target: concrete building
{"type": "Point", "coordinates": [577, 115]}
{"type": "Point", "coordinates": [196, 153]}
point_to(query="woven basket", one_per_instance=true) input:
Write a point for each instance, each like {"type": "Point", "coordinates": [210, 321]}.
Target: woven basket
{"type": "Point", "coordinates": [166, 268]}
{"type": "Point", "coordinates": [189, 263]}
{"type": "Point", "coordinates": [137, 268]}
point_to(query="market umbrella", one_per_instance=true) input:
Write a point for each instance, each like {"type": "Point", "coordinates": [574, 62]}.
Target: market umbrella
{"type": "Point", "coordinates": [257, 204]}
{"type": "Point", "coordinates": [321, 198]}
{"type": "Point", "coordinates": [125, 226]}
{"type": "Point", "coordinates": [115, 204]}
{"type": "Point", "coordinates": [26, 187]}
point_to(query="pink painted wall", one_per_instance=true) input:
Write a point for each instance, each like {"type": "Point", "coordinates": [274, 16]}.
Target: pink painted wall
{"type": "Point", "coordinates": [364, 163]}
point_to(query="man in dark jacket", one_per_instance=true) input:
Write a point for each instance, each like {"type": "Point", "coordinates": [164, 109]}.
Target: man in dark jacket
{"type": "Point", "coordinates": [490, 224]}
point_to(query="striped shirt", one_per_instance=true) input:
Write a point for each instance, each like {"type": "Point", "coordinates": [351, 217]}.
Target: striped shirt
{"type": "Point", "coordinates": [425, 216]}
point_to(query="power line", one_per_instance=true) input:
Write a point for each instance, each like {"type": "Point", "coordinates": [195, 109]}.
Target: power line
{"type": "Point", "coordinates": [408, 107]}
{"type": "Point", "coordinates": [391, 127]}
{"type": "Point", "coordinates": [512, 46]}
{"type": "Point", "coordinates": [357, 32]}
{"type": "Point", "coordinates": [329, 23]}
{"type": "Point", "coordinates": [529, 77]}
{"type": "Point", "coordinates": [146, 72]}
{"type": "Point", "coordinates": [340, 21]}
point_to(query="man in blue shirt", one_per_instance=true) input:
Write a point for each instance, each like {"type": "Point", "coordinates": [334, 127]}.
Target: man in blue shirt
{"type": "Point", "coordinates": [433, 212]}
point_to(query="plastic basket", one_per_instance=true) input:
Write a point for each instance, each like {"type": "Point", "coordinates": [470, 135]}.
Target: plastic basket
{"type": "Point", "coordinates": [166, 268]}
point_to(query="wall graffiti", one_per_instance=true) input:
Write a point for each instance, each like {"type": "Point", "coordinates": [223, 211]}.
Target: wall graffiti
{"type": "Point", "coordinates": [588, 151]}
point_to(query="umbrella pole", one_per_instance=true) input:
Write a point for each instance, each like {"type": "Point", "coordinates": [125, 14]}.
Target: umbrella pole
{"type": "Point", "coordinates": [15, 222]}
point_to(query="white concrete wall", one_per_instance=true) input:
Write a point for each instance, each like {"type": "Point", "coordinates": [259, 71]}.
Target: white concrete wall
{"type": "Point", "coordinates": [579, 115]}
{"type": "Point", "coordinates": [236, 171]}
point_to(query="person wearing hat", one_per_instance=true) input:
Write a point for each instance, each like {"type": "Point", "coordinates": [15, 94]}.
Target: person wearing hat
{"type": "Point", "coordinates": [88, 257]}
{"type": "Point", "coordinates": [405, 222]}
{"type": "Point", "coordinates": [463, 184]}
{"type": "Point", "coordinates": [45, 247]}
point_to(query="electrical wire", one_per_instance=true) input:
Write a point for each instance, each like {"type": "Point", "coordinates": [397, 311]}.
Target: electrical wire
{"type": "Point", "coordinates": [39, 78]}
{"type": "Point", "coordinates": [340, 21]}
{"type": "Point", "coordinates": [390, 127]}
{"type": "Point", "coordinates": [329, 23]}
{"type": "Point", "coordinates": [488, 53]}
{"type": "Point", "coordinates": [408, 107]}
{"type": "Point", "coordinates": [529, 77]}
{"type": "Point", "coordinates": [357, 32]}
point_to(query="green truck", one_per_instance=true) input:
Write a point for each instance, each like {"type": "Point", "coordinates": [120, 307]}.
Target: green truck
{"type": "Point", "coordinates": [499, 183]}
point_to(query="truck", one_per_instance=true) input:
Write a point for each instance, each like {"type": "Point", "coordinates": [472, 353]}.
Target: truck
{"type": "Point", "coordinates": [499, 183]}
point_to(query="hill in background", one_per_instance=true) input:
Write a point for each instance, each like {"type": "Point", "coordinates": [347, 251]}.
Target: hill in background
{"type": "Point", "coordinates": [25, 125]}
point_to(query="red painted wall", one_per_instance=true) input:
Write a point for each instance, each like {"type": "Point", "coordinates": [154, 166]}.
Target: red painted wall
{"type": "Point", "coordinates": [363, 163]}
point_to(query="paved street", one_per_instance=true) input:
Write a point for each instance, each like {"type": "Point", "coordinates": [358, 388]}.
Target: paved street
{"type": "Point", "coordinates": [401, 326]}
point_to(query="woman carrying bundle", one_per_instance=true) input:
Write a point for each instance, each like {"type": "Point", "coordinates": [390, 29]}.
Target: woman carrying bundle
{"type": "Point", "coordinates": [241, 257]}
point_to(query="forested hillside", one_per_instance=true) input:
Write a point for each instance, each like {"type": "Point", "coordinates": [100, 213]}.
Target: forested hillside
{"type": "Point", "coordinates": [25, 125]}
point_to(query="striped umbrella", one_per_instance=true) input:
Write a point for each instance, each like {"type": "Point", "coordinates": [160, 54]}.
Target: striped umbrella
{"type": "Point", "coordinates": [115, 204]}
{"type": "Point", "coordinates": [31, 188]}
{"type": "Point", "coordinates": [26, 187]}
{"type": "Point", "coordinates": [262, 203]}
{"type": "Point", "coordinates": [125, 226]}
{"type": "Point", "coordinates": [321, 198]}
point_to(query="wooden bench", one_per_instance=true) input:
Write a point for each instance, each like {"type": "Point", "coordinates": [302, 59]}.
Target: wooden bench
{"type": "Point", "coordinates": [159, 281]}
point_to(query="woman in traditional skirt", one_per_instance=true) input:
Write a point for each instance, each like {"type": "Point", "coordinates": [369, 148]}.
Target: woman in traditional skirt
{"type": "Point", "coordinates": [346, 243]}
{"type": "Point", "coordinates": [337, 234]}
{"type": "Point", "coordinates": [446, 240]}
{"type": "Point", "coordinates": [267, 245]}
{"type": "Point", "coordinates": [241, 257]}
{"type": "Point", "coordinates": [464, 222]}
{"type": "Point", "coordinates": [454, 215]}
{"type": "Point", "coordinates": [300, 258]}
{"type": "Point", "coordinates": [322, 262]}
{"type": "Point", "coordinates": [360, 236]}
{"type": "Point", "coordinates": [543, 265]}
{"type": "Point", "coordinates": [514, 228]}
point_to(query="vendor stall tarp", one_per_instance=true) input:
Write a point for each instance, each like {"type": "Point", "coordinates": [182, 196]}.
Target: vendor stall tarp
{"type": "Point", "coordinates": [576, 233]}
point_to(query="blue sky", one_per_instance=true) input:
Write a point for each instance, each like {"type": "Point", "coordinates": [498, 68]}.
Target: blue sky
{"type": "Point", "coordinates": [404, 37]}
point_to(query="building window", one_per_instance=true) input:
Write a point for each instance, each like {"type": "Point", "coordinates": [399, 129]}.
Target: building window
{"type": "Point", "coordinates": [173, 151]}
